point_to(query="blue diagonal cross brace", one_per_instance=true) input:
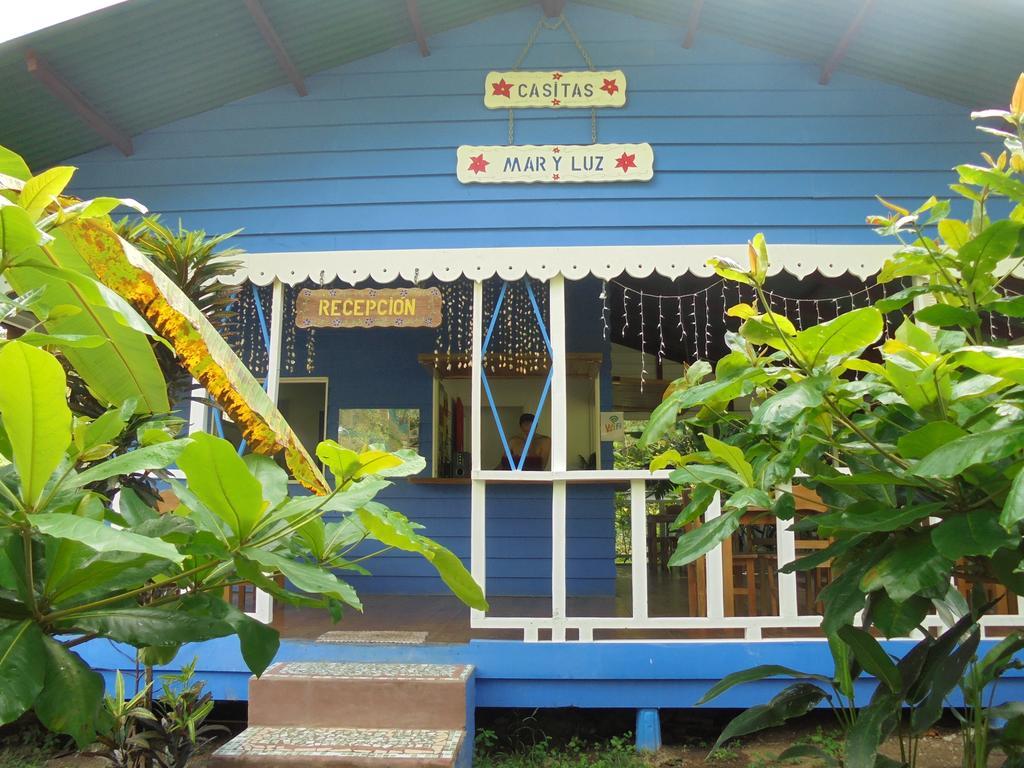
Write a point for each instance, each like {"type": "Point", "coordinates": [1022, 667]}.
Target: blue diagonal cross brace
{"type": "Point", "coordinates": [487, 386]}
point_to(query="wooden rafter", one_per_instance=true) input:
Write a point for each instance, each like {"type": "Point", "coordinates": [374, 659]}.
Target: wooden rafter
{"type": "Point", "coordinates": [276, 46]}
{"type": "Point", "coordinates": [692, 23]}
{"type": "Point", "coordinates": [54, 83]}
{"type": "Point", "coordinates": [844, 43]}
{"type": "Point", "coordinates": [417, 27]}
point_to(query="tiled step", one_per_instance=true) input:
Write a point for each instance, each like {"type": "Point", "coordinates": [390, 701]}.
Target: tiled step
{"type": "Point", "coordinates": [292, 747]}
{"type": "Point", "coordinates": [361, 695]}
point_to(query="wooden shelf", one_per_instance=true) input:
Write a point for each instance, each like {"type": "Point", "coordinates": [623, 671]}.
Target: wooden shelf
{"type": "Point", "coordinates": [439, 480]}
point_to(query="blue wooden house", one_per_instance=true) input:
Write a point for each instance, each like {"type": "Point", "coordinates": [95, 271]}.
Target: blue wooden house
{"type": "Point", "coordinates": [328, 132]}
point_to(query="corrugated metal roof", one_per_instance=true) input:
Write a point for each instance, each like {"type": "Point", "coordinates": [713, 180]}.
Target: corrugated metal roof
{"type": "Point", "coordinates": [145, 63]}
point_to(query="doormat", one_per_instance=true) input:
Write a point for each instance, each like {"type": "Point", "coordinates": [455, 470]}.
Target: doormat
{"type": "Point", "coordinates": [385, 637]}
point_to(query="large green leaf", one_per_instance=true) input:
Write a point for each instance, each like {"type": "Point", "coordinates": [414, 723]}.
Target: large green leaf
{"type": "Point", "coordinates": [1013, 507]}
{"type": "Point", "coordinates": [980, 256]}
{"type": "Point", "coordinates": [872, 726]}
{"type": "Point", "coordinates": [101, 537]}
{"type": "Point", "coordinates": [971, 533]}
{"type": "Point", "coordinates": [17, 232]}
{"type": "Point", "coordinates": [794, 701]}
{"type": "Point", "coordinates": [118, 371]}
{"type": "Point", "coordinates": [871, 656]}
{"type": "Point", "coordinates": [754, 674]}
{"type": "Point", "coordinates": [780, 410]}
{"type": "Point", "coordinates": [954, 457]}
{"type": "Point", "coordinates": [944, 677]}
{"type": "Point", "coordinates": [42, 189]}
{"type": "Point", "coordinates": [307, 577]}
{"type": "Point", "coordinates": [1006, 363]}
{"type": "Point", "coordinates": [920, 442]}
{"type": "Point", "coordinates": [219, 477]}
{"type": "Point", "coordinates": [894, 619]}
{"type": "Point", "coordinates": [12, 164]}
{"type": "Point", "coordinates": [33, 404]}
{"type": "Point", "coordinates": [698, 542]}
{"type": "Point", "coordinates": [394, 529]}
{"type": "Point", "coordinates": [732, 457]}
{"type": "Point", "coordinates": [259, 642]}
{"type": "Point", "coordinates": [913, 567]}
{"type": "Point", "coordinates": [272, 479]}
{"type": "Point", "coordinates": [141, 626]}
{"type": "Point", "coordinates": [845, 335]}
{"type": "Point", "coordinates": [946, 315]}
{"type": "Point", "coordinates": [72, 697]}
{"type": "Point", "coordinates": [998, 181]}
{"type": "Point", "coordinates": [208, 357]}
{"type": "Point", "coordinates": [872, 517]}
{"type": "Point", "coordinates": [22, 668]}
{"type": "Point", "coordinates": [156, 456]}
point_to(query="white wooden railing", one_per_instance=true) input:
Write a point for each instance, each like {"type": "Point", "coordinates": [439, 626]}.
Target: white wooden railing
{"type": "Point", "coordinates": [561, 627]}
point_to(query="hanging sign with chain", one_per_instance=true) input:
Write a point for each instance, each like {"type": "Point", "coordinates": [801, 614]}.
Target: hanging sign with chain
{"type": "Point", "coordinates": [368, 308]}
{"type": "Point", "coordinates": [560, 89]}
{"type": "Point", "coordinates": [551, 163]}
{"type": "Point", "coordinates": [555, 90]}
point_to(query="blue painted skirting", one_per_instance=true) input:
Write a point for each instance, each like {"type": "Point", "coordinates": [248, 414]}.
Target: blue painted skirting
{"type": "Point", "coordinates": [527, 675]}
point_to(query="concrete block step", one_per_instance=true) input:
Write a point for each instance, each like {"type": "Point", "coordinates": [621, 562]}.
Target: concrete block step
{"type": "Point", "coordinates": [360, 695]}
{"type": "Point", "coordinates": [292, 747]}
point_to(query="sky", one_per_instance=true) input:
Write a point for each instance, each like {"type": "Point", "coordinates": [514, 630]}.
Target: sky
{"type": "Point", "coordinates": [22, 18]}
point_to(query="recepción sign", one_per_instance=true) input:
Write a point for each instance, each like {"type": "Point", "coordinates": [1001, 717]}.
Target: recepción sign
{"type": "Point", "coordinates": [555, 90]}
{"type": "Point", "coordinates": [553, 164]}
{"type": "Point", "coordinates": [368, 308]}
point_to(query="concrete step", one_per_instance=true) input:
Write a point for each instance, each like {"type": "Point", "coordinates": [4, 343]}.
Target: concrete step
{"type": "Point", "coordinates": [361, 695]}
{"type": "Point", "coordinates": [293, 747]}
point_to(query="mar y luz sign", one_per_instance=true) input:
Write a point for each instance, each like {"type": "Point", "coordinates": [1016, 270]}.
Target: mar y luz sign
{"type": "Point", "coordinates": [555, 90]}
{"type": "Point", "coordinates": [555, 163]}
{"type": "Point", "coordinates": [368, 308]}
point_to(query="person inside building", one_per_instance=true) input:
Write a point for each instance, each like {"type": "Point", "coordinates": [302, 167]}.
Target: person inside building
{"type": "Point", "coordinates": [539, 452]}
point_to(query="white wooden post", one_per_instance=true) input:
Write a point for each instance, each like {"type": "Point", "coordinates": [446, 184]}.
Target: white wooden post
{"type": "Point", "coordinates": [478, 516]}
{"type": "Point", "coordinates": [785, 546]}
{"type": "Point", "coordinates": [713, 562]}
{"type": "Point", "coordinates": [638, 522]}
{"type": "Point", "coordinates": [274, 352]}
{"type": "Point", "coordinates": [198, 411]}
{"type": "Point", "coordinates": [558, 379]}
{"type": "Point", "coordinates": [558, 586]}
{"type": "Point", "coordinates": [264, 600]}
{"type": "Point", "coordinates": [559, 409]}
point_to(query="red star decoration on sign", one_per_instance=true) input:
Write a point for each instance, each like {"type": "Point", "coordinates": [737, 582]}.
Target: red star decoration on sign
{"type": "Point", "coordinates": [554, 177]}
{"type": "Point", "coordinates": [501, 88]}
{"type": "Point", "coordinates": [478, 164]}
{"type": "Point", "coordinates": [625, 162]}
{"type": "Point", "coordinates": [555, 102]}
{"type": "Point", "coordinates": [609, 86]}
{"type": "Point", "coordinates": [557, 76]}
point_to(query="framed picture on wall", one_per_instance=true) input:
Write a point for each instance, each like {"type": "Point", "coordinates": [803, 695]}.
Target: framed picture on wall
{"type": "Point", "coordinates": [392, 428]}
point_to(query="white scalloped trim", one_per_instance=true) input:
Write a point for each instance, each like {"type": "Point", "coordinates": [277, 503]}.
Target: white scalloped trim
{"type": "Point", "coordinates": [575, 262]}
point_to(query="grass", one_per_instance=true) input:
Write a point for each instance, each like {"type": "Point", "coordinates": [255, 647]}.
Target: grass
{"type": "Point", "coordinates": [541, 752]}
{"type": "Point", "coordinates": [30, 747]}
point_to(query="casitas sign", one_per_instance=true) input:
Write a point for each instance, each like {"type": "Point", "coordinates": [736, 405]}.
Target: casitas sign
{"type": "Point", "coordinates": [552, 163]}
{"type": "Point", "coordinates": [368, 308]}
{"type": "Point", "coordinates": [555, 90]}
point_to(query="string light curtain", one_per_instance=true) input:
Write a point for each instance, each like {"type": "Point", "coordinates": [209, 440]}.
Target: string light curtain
{"type": "Point", "coordinates": [517, 344]}
{"type": "Point", "coordinates": [694, 323]}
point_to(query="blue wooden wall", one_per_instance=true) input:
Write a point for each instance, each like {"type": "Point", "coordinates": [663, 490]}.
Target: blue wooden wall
{"type": "Point", "coordinates": [378, 368]}
{"type": "Point", "coordinates": [745, 140]}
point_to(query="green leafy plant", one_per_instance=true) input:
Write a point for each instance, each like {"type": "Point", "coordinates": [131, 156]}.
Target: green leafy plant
{"type": "Point", "coordinates": [915, 443]}
{"type": "Point", "coordinates": [83, 554]}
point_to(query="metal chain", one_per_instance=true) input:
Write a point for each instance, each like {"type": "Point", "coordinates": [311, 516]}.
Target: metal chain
{"type": "Point", "coordinates": [562, 21]}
